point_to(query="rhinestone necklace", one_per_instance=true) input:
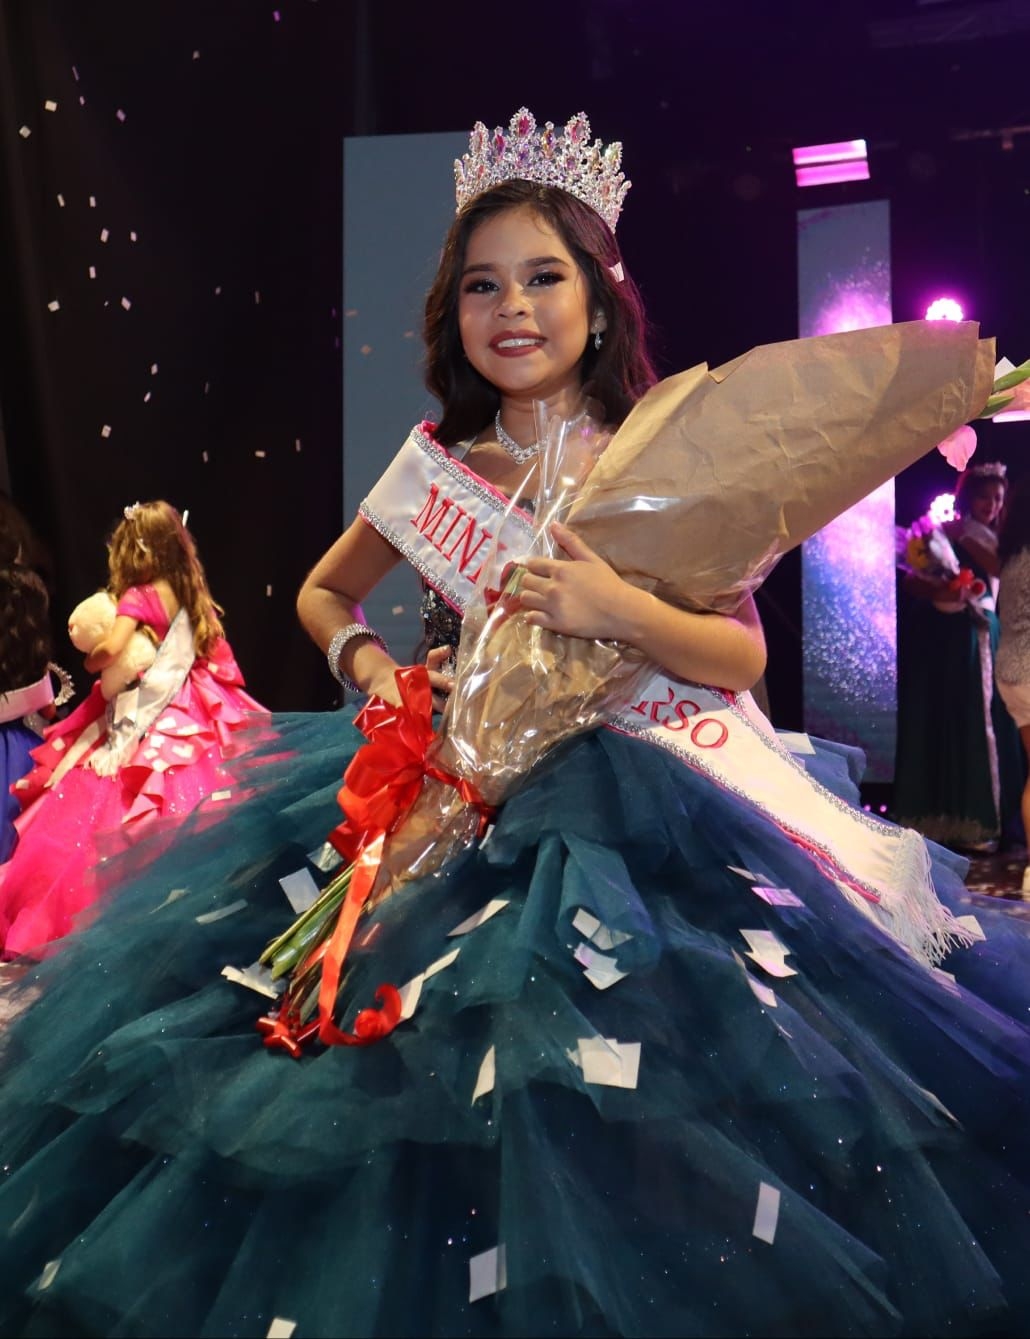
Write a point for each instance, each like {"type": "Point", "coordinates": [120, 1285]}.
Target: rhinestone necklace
{"type": "Point", "coordinates": [520, 454]}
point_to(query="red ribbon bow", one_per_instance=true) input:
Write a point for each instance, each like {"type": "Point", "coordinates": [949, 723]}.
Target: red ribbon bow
{"type": "Point", "coordinates": [380, 785]}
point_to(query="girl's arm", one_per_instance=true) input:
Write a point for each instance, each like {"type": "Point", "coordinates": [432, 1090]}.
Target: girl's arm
{"type": "Point", "coordinates": [587, 598]}
{"type": "Point", "coordinates": [330, 599]}
{"type": "Point", "coordinates": [111, 646]}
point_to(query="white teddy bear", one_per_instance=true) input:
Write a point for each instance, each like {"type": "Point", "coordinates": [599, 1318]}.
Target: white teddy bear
{"type": "Point", "coordinates": [89, 623]}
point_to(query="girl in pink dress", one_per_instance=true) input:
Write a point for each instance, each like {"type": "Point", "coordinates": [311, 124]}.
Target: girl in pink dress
{"type": "Point", "coordinates": [111, 771]}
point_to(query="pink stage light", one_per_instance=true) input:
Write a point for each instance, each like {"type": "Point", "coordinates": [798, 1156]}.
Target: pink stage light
{"type": "Point", "coordinates": [822, 164]}
{"type": "Point", "coordinates": [942, 508]}
{"type": "Point", "coordinates": [945, 309]}
{"type": "Point", "coordinates": [843, 151]}
{"type": "Point", "coordinates": [826, 173]}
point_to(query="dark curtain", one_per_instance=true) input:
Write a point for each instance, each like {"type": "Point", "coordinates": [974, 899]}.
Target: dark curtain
{"type": "Point", "coordinates": [227, 167]}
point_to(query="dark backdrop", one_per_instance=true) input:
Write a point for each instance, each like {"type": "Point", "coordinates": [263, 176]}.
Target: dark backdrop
{"type": "Point", "coordinates": [226, 165]}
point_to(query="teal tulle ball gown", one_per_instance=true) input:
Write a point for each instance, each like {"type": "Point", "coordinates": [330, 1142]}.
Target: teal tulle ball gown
{"type": "Point", "coordinates": [703, 1146]}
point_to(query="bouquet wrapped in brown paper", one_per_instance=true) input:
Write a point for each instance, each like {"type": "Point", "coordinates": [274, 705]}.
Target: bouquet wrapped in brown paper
{"type": "Point", "coordinates": [712, 477]}
{"type": "Point", "coordinates": [716, 474]}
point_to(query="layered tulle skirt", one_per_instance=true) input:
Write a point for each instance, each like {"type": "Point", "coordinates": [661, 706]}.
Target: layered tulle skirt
{"type": "Point", "coordinates": [610, 1109]}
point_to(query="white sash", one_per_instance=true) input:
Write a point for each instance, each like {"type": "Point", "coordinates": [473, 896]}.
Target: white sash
{"type": "Point", "coordinates": [443, 519]}
{"type": "Point", "coordinates": [21, 702]}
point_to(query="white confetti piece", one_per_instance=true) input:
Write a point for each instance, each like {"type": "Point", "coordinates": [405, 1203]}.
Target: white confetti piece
{"type": "Point", "coordinates": [146, 398]}
{"type": "Point", "coordinates": [92, 271]}
{"type": "Point", "coordinates": [184, 751]}
{"type": "Point", "coordinates": [795, 740]}
{"type": "Point", "coordinates": [296, 444]}
{"type": "Point", "coordinates": [480, 917]}
{"type": "Point", "coordinates": [104, 234]}
{"type": "Point", "coordinates": [301, 890]}
{"type": "Point", "coordinates": [441, 963]}
{"type": "Point", "coordinates": [585, 923]}
{"type": "Point", "coordinates": [126, 303]}
{"type": "Point", "coordinates": [48, 1275]}
{"type": "Point", "coordinates": [488, 1273]}
{"type": "Point", "coordinates": [768, 952]}
{"type": "Point", "coordinates": [50, 105]}
{"type": "Point", "coordinates": [947, 980]}
{"type": "Point", "coordinates": [173, 896]}
{"type": "Point", "coordinates": [196, 55]}
{"type": "Point", "coordinates": [487, 1075]}
{"type": "Point", "coordinates": [609, 1063]}
{"type": "Point", "coordinates": [410, 995]}
{"type": "Point", "coordinates": [767, 1212]}
{"type": "Point", "coordinates": [325, 857]}
{"type": "Point", "coordinates": [601, 971]}
{"type": "Point", "coordinates": [60, 199]}
{"type": "Point", "coordinates": [397, 610]}
{"type": "Point", "coordinates": [105, 431]}
{"type": "Point", "coordinates": [53, 306]}
{"type": "Point", "coordinates": [167, 723]}
{"type": "Point", "coordinates": [744, 873]}
{"type": "Point", "coordinates": [268, 592]}
{"type": "Point", "coordinates": [777, 897]}
{"type": "Point", "coordinates": [24, 132]}
{"type": "Point", "coordinates": [209, 917]}
{"type": "Point", "coordinates": [218, 290]}
{"type": "Point", "coordinates": [217, 795]}
{"type": "Point", "coordinates": [133, 235]}
{"type": "Point", "coordinates": [204, 457]}
{"type": "Point", "coordinates": [257, 297]}
{"type": "Point", "coordinates": [120, 114]}
{"type": "Point", "coordinates": [75, 72]}
{"type": "Point", "coordinates": [92, 202]}
{"type": "Point", "coordinates": [255, 977]}
{"type": "Point", "coordinates": [153, 369]}
{"type": "Point", "coordinates": [281, 1328]}
{"type": "Point", "coordinates": [366, 349]}
{"type": "Point", "coordinates": [261, 454]}
{"type": "Point", "coordinates": [765, 993]}
{"type": "Point", "coordinates": [82, 101]}
{"type": "Point", "coordinates": [207, 387]}
{"type": "Point", "coordinates": [971, 924]}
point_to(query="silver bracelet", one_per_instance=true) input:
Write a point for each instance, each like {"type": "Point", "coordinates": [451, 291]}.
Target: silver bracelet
{"type": "Point", "coordinates": [340, 639]}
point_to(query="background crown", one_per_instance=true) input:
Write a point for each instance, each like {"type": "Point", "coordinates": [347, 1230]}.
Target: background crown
{"type": "Point", "coordinates": [563, 158]}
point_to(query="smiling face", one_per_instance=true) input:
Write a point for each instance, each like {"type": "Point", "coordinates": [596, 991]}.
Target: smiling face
{"type": "Point", "coordinates": [523, 309]}
{"type": "Point", "coordinates": [985, 504]}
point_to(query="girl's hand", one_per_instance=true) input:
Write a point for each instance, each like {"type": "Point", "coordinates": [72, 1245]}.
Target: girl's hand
{"type": "Point", "coordinates": [579, 598]}
{"type": "Point", "coordinates": [440, 680]}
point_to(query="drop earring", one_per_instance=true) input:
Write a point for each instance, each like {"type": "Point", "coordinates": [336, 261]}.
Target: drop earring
{"type": "Point", "coordinates": [597, 339]}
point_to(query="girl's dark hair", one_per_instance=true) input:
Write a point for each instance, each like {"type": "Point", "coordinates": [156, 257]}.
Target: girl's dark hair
{"type": "Point", "coordinates": [24, 627]}
{"type": "Point", "coordinates": [1014, 536]}
{"type": "Point", "coordinates": [617, 374]}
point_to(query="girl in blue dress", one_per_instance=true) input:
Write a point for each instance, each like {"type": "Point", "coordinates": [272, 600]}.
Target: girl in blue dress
{"type": "Point", "coordinates": [667, 1065]}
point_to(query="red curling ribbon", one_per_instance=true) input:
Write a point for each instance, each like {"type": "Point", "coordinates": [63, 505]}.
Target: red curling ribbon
{"type": "Point", "coordinates": [380, 786]}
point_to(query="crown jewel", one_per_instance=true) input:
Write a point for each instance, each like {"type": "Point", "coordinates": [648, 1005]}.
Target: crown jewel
{"type": "Point", "coordinates": [549, 157]}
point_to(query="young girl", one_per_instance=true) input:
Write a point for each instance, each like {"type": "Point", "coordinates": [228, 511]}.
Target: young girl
{"type": "Point", "coordinates": [109, 772]}
{"type": "Point", "coordinates": [958, 773]}
{"type": "Point", "coordinates": [657, 1072]}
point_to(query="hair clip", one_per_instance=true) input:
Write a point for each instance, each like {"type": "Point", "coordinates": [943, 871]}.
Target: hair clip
{"type": "Point", "coordinates": [130, 511]}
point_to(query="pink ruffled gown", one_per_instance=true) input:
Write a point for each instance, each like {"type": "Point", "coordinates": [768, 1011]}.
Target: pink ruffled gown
{"type": "Point", "coordinates": [72, 824]}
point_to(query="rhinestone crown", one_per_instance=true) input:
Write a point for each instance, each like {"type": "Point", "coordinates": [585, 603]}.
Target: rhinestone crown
{"type": "Point", "coordinates": [563, 158]}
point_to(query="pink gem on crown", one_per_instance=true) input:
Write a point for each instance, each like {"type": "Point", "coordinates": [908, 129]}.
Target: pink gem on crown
{"type": "Point", "coordinates": [563, 158]}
